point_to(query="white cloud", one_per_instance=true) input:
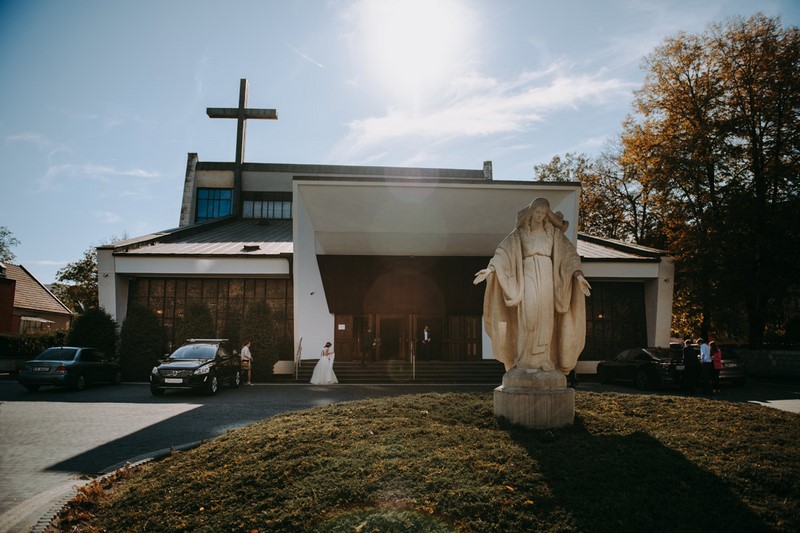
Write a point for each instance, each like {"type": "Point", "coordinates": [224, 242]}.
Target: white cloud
{"type": "Point", "coordinates": [479, 106]}
{"type": "Point", "coordinates": [55, 174]}
{"type": "Point", "coordinates": [108, 217]}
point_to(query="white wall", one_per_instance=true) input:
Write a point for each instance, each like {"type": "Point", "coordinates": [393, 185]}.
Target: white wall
{"type": "Point", "coordinates": [313, 323]}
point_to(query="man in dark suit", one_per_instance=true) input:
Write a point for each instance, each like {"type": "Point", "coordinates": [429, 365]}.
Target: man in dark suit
{"type": "Point", "coordinates": [691, 367]}
{"type": "Point", "coordinates": [425, 343]}
{"type": "Point", "coordinates": [367, 345]}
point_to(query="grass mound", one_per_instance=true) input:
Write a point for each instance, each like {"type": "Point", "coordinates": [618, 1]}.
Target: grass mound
{"type": "Point", "coordinates": [442, 462]}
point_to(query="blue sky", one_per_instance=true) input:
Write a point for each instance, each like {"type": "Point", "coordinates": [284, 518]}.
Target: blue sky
{"type": "Point", "coordinates": [100, 101]}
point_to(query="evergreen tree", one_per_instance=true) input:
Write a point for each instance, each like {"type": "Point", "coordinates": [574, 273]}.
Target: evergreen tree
{"type": "Point", "coordinates": [94, 328]}
{"type": "Point", "coordinates": [258, 326]}
{"type": "Point", "coordinates": [197, 323]}
{"type": "Point", "coordinates": [142, 343]}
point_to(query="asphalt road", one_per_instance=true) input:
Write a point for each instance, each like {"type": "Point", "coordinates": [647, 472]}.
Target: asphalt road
{"type": "Point", "coordinates": [53, 440]}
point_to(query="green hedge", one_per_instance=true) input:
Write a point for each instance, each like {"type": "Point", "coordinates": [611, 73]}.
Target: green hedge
{"type": "Point", "coordinates": [29, 345]}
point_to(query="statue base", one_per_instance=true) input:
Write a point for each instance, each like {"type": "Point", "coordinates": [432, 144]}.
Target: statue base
{"type": "Point", "coordinates": [535, 399]}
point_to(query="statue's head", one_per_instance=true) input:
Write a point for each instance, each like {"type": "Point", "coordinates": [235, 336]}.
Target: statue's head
{"type": "Point", "coordinates": [535, 211]}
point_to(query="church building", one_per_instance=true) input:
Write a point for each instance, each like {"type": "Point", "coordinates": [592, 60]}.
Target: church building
{"type": "Point", "coordinates": [339, 250]}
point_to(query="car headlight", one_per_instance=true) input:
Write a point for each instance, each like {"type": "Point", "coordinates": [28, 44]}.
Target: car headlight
{"type": "Point", "coordinates": [154, 371]}
{"type": "Point", "coordinates": [205, 369]}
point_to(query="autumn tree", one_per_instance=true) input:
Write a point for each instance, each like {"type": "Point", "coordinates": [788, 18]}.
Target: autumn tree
{"type": "Point", "coordinates": [613, 201]}
{"type": "Point", "coordinates": [714, 135]}
{"type": "Point", "coordinates": [76, 283]}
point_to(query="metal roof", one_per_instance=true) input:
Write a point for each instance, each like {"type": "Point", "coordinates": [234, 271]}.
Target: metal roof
{"type": "Point", "coordinates": [241, 238]}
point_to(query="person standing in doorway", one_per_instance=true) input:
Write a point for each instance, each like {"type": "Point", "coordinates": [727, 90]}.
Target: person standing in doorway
{"type": "Point", "coordinates": [425, 343]}
{"type": "Point", "coordinates": [367, 345]}
{"type": "Point", "coordinates": [247, 361]}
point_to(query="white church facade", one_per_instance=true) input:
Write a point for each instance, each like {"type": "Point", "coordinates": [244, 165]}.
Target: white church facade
{"type": "Point", "coordinates": [336, 250]}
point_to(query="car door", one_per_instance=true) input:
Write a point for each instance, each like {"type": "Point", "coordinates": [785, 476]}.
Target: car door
{"type": "Point", "coordinates": [224, 363]}
{"type": "Point", "coordinates": [88, 365]}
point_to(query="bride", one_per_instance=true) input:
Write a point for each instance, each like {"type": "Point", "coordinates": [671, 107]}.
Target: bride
{"type": "Point", "coordinates": [323, 372]}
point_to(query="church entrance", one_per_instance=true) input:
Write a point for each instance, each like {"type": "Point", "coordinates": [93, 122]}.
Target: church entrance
{"type": "Point", "coordinates": [396, 297]}
{"type": "Point", "coordinates": [391, 338]}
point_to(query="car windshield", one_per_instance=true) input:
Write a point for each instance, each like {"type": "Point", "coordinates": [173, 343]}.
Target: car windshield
{"type": "Point", "coordinates": [57, 354]}
{"type": "Point", "coordinates": [195, 351]}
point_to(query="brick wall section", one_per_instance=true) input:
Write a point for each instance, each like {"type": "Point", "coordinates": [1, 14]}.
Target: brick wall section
{"type": "Point", "coordinates": [771, 363]}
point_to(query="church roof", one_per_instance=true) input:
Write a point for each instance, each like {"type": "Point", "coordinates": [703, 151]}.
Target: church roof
{"type": "Point", "coordinates": [259, 237]}
{"type": "Point", "coordinates": [31, 294]}
{"type": "Point", "coordinates": [246, 237]}
{"type": "Point", "coordinates": [592, 248]}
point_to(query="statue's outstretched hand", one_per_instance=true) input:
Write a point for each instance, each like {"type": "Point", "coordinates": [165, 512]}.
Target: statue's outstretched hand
{"type": "Point", "coordinates": [481, 275]}
{"type": "Point", "coordinates": [584, 286]}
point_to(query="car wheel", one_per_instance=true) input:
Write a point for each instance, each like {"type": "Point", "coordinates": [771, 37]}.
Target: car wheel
{"type": "Point", "coordinates": [236, 380]}
{"type": "Point", "coordinates": [213, 385]}
{"type": "Point", "coordinates": [32, 388]}
{"type": "Point", "coordinates": [642, 379]}
{"type": "Point", "coordinates": [155, 391]}
{"type": "Point", "coordinates": [80, 383]}
{"type": "Point", "coordinates": [604, 375]}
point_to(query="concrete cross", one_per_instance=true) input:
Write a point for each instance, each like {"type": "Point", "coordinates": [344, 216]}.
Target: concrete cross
{"type": "Point", "coordinates": [241, 114]}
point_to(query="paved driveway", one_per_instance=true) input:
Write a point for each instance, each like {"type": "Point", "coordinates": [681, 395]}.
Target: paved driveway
{"type": "Point", "coordinates": [52, 440]}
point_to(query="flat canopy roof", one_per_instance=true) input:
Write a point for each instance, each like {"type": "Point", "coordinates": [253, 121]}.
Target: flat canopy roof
{"type": "Point", "coordinates": [421, 217]}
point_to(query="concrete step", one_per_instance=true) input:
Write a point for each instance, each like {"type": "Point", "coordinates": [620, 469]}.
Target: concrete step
{"type": "Point", "coordinates": [488, 371]}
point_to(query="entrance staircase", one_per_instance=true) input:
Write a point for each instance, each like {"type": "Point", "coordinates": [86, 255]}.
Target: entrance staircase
{"type": "Point", "coordinates": [488, 371]}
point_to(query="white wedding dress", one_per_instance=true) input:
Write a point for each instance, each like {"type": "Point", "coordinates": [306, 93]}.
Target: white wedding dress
{"type": "Point", "coordinates": [323, 372]}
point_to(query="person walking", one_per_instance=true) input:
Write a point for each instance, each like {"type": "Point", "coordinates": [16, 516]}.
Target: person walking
{"type": "Point", "coordinates": [247, 361]}
{"type": "Point", "coordinates": [706, 366]}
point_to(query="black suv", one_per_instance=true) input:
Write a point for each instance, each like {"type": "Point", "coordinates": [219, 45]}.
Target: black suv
{"type": "Point", "coordinates": [200, 364]}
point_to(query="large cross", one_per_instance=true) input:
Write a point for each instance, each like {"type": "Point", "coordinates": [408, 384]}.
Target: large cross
{"type": "Point", "coordinates": [241, 114]}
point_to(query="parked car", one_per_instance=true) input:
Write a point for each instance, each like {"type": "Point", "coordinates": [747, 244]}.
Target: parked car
{"type": "Point", "coordinates": [644, 367]}
{"type": "Point", "coordinates": [200, 364]}
{"type": "Point", "coordinates": [733, 368]}
{"type": "Point", "coordinates": [69, 366]}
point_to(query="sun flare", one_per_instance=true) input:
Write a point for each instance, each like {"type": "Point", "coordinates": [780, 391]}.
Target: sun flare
{"type": "Point", "coordinates": [412, 48]}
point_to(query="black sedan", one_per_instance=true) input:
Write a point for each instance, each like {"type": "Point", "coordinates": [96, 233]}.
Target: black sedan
{"type": "Point", "coordinates": [69, 366]}
{"type": "Point", "coordinates": [645, 367]}
{"type": "Point", "coordinates": [200, 364]}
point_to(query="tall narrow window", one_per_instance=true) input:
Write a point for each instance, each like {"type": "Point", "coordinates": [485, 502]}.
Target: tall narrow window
{"type": "Point", "coordinates": [213, 203]}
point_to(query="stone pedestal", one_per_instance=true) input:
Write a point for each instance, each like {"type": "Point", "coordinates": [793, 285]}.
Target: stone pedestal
{"type": "Point", "coordinates": [534, 398]}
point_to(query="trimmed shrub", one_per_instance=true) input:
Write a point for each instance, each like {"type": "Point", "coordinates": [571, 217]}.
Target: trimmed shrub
{"type": "Point", "coordinates": [94, 328]}
{"type": "Point", "coordinates": [258, 326]}
{"type": "Point", "coordinates": [142, 343]}
{"type": "Point", "coordinates": [197, 323]}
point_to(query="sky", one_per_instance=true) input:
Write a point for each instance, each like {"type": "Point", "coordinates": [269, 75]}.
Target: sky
{"type": "Point", "coordinates": [100, 102]}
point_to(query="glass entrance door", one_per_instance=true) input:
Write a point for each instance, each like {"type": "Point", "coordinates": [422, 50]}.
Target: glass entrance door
{"type": "Point", "coordinates": [391, 335]}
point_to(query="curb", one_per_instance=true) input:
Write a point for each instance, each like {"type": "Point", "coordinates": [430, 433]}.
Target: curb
{"type": "Point", "coordinates": [59, 502]}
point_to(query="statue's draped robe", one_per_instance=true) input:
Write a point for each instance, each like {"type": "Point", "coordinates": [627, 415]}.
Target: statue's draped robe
{"type": "Point", "coordinates": [516, 340]}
